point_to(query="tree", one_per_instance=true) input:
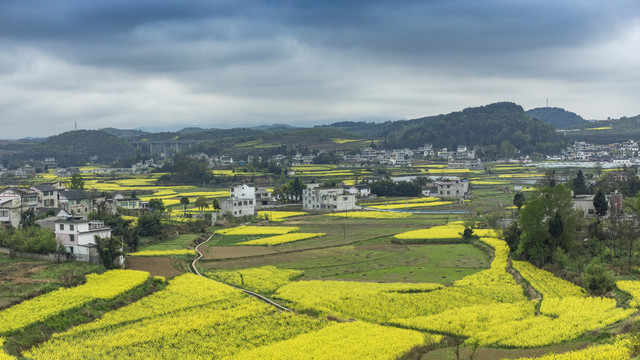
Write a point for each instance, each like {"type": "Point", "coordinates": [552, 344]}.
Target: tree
{"type": "Point", "coordinates": [201, 203]}
{"type": "Point", "coordinates": [296, 188]}
{"type": "Point", "coordinates": [519, 199]}
{"type": "Point", "coordinates": [578, 185]}
{"type": "Point", "coordinates": [556, 225]}
{"type": "Point", "coordinates": [77, 182]}
{"type": "Point", "coordinates": [548, 221]}
{"type": "Point", "coordinates": [156, 205]}
{"type": "Point", "coordinates": [150, 224]}
{"type": "Point", "coordinates": [600, 203]}
{"type": "Point", "coordinates": [184, 201]}
{"type": "Point", "coordinates": [109, 250]}
{"type": "Point", "coordinates": [216, 203]}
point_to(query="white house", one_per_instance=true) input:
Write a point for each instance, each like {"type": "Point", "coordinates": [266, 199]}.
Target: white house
{"type": "Point", "coordinates": [453, 188]}
{"type": "Point", "coordinates": [14, 202]}
{"type": "Point", "coordinates": [241, 202]}
{"type": "Point", "coordinates": [78, 236]}
{"type": "Point", "coordinates": [314, 198]}
{"type": "Point", "coordinates": [47, 195]}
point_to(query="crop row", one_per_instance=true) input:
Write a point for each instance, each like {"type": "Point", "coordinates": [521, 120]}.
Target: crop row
{"type": "Point", "coordinates": [632, 288]}
{"type": "Point", "coordinates": [279, 216]}
{"type": "Point", "coordinates": [196, 318]}
{"type": "Point", "coordinates": [4, 355]}
{"type": "Point", "coordinates": [621, 349]}
{"type": "Point", "coordinates": [258, 230]}
{"type": "Point", "coordinates": [410, 205]}
{"type": "Point", "coordinates": [281, 239]}
{"type": "Point", "coordinates": [545, 282]}
{"type": "Point", "coordinates": [370, 215]}
{"type": "Point", "coordinates": [98, 286]}
{"type": "Point", "coordinates": [265, 279]}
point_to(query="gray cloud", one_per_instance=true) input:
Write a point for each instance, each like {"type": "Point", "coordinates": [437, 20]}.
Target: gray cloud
{"type": "Point", "coordinates": [220, 63]}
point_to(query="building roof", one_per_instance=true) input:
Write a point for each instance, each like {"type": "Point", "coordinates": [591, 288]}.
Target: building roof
{"type": "Point", "coordinates": [21, 192]}
{"type": "Point", "coordinates": [45, 187]}
{"type": "Point", "coordinates": [74, 194]}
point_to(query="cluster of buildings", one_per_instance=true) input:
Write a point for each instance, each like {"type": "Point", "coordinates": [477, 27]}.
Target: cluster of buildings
{"type": "Point", "coordinates": [625, 153]}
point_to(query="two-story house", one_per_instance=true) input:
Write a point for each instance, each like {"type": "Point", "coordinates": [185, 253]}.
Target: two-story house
{"type": "Point", "coordinates": [453, 188]}
{"type": "Point", "coordinates": [74, 201]}
{"type": "Point", "coordinates": [78, 236]}
{"type": "Point", "coordinates": [14, 202]}
{"type": "Point", "coordinates": [47, 195]}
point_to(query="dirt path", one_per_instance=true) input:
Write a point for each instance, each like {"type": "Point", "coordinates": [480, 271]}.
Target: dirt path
{"type": "Point", "coordinates": [256, 295]}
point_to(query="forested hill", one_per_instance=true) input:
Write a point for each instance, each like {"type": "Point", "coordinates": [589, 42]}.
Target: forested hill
{"type": "Point", "coordinates": [486, 126]}
{"type": "Point", "coordinates": [558, 117]}
{"type": "Point", "coordinates": [76, 147]}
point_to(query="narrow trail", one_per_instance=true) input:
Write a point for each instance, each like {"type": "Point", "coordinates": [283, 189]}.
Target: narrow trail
{"type": "Point", "coordinates": [256, 295]}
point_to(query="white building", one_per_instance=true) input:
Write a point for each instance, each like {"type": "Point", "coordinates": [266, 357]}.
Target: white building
{"type": "Point", "coordinates": [316, 199]}
{"type": "Point", "coordinates": [453, 188]}
{"type": "Point", "coordinates": [78, 236]}
{"type": "Point", "coordinates": [241, 202]}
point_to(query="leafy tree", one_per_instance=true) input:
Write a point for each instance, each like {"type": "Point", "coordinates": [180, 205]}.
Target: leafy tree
{"type": "Point", "coordinates": [556, 225]}
{"type": "Point", "coordinates": [184, 201]}
{"type": "Point", "coordinates": [150, 224]}
{"type": "Point", "coordinates": [296, 188]}
{"type": "Point", "coordinates": [109, 250]}
{"type": "Point", "coordinates": [156, 205]}
{"type": "Point", "coordinates": [519, 199]}
{"type": "Point", "coordinates": [596, 278]}
{"type": "Point", "coordinates": [600, 203]}
{"type": "Point", "coordinates": [120, 228]}
{"type": "Point", "coordinates": [77, 182]}
{"type": "Point", "coordinates": [512, 235]}
{"type": "Point", "coordinates": [201, 203]}
{"type": "Point", "coordinates": [216, 203]}
{"type": "Point", "coordinates": [547, 213]}
{"type": "Point", "coordinates": [32, 239]}
{"type": "Point", "coordinates": [578, 185]}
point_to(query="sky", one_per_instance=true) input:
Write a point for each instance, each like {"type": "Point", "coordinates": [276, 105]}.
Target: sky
{"type": "Point", "coordinates": [155, 64]}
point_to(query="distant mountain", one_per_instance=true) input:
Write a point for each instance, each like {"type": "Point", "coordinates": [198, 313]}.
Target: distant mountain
{"type": "Point", "coordinates": [485, 126]}
{"type": "Point", "coordinates": [273, 127]}
{"type": "Point", "coordinates": [558, 117]}
{"type": "Point", "coordinates": [124, 133]}
{"type": "Point", "coordinates": [75, 148]}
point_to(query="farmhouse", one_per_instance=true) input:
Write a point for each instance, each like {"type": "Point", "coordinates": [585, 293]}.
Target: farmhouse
{"type": "Point", "coordinates": [453, 188]}
{"type": "Point", "coordinates": [75, 201]}
{"type": "Point", "coordinates": [78, 236]}
{"type": "Point", "coordinates": [585, 203]}
{"type": "Point", "coordinates": [315, 198]}
{"type": "Point", "coordinates": [241, 202]}
{"type": "Point", "coordinates": [14, 202]}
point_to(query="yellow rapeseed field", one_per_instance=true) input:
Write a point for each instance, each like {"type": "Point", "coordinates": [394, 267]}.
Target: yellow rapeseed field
{"type": "Point", "coordinates": [281, 239]}
{"type": "Point", "coordinates": [98, 286]}
{"type": "Point", "coordinates": [632, 288]}
{"type": "Point", "coordinates": [370, 215]}
{"type": "Point", "coordinates": [266, 279]}
{"type": "Point", "coordinates": [258, 230]}
{"type": "Point", "coordinates": [545, 282]}
{"type": "Point", "coordinates": [279, 216]}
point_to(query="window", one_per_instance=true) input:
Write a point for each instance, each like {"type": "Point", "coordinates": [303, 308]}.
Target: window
{"type": "Point", "coordinates": [591, 211]}
{"type": "Point", "coordinates": [71, 249]}
{"type": "Point", "coordinates": [61, 226]}
{"type": "Point", "coordinates": [70, 226]}
{"type": "Point", "coordinates": [72, 238]}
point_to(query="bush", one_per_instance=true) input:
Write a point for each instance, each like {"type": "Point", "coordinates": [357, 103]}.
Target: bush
{"type": "Point", "coordinates": [596, 278]}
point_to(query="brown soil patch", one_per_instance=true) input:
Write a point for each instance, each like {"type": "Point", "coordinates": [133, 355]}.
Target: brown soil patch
{"type": "Point", "coordinates": [229, 252]}
{"type": "Point", "coordinates": [156, 266]}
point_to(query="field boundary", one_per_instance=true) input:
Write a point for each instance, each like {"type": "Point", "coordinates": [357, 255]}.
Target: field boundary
{"type": "Point", "coordinates": [248, 292]}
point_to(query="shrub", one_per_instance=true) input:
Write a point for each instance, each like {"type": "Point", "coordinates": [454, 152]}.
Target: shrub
{"type": "Point", "coordinates": [596, 278]}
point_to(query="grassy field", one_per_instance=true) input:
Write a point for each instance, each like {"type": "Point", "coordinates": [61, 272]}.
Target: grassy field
{"type": "Point", "coordinates": [22, 278]}
{"type": "Point", "coordinates": [182, 241]}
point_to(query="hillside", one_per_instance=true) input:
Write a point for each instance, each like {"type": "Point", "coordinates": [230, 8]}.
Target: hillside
{"type": "Point", "coordinates": [74, 148]}
{"type": "Point", "coordinates": [558, 117]}
{"type": "Point", "coordinates": [485, 126]}
{"type": "Point", "coordinates": [606, 131]}
{"type": "Point", "coordinates": [124, 133]}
